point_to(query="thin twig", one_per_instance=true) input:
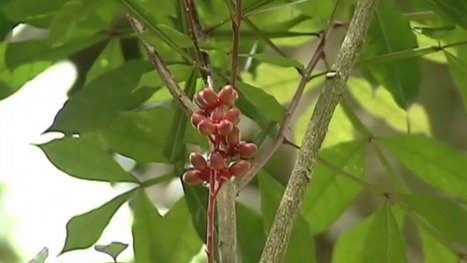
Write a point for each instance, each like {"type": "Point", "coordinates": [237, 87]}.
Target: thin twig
{"type": "Point", "coordinates": [279, 235]}
{"type": "Point", "coordinates": [317, 55]}
{"type": "Point", "coordinates": [188, 106]}
{"type": "Point", "coordinates": [236, 18]}
{"type": "Point", "coordinates": [197, 36]}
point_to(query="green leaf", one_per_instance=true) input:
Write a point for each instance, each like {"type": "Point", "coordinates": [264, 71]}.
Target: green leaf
{"type": "Point", "coordinates": [6, 24]}
{"type": "Point", "coordinates": [80, 19]}
{"type": "Point", "coordinates": [84, 159]}
{"type": "Point", "coordinates": [379, 233]}
{"type": "Point", "coordinates": [113, 249]}
{"type": "Point", "coordinates": [278, 61]}
{"type": "Point", "coordinates": [384, 241]}
{"type": "Point", "coordinates": [458, 69]}
{"type": "Point", "coordinates": [300, 246]}
{"type": "Point", "coordinates": [37, 13]}
{"type": "Point", "coordinates": [330, 192]}
{"type": "Point", "coordinates": [11, 80]}
{"type": "Point", "coordinates": [433, 250]}
{"type": "Point", "coordinates": [141, 136]}
{"type": "Point", "coordinates": [454, 10]}
{"type": "Point", "coordinates": [96, 105]}
{"type": "Point", "coordinates": [433, 162]}
{"type": "Point", "coordinates": [171, 238]}
{"type": "Point", "coordinates": [445, 216]}
{"type": "Point", "coordinates": [178, 37]}
{"type": "Point", "coordinates": [277, 81]}
{"type": "Point", "coordinates": [30, 51]}
{"type": "Point", "coordinates": [250, 232]}
{"type": "Point", "coordinates": [41, 256]}
{"type": "Point", "coordinates": [264, 102]}
{"type": "Point", "coordinates": [390, 32]}
{"type": "Point", "coordinates": [85, 229]}
{"type": "Point", "coordinates": [196, 198]}
{"type": "Point", "coordinates": [110, 58]}
{"type": "Point", "coordinates": [380, 104]}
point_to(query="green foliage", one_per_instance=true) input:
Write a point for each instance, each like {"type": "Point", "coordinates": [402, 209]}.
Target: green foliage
{"type": "Point", "coordinates": [120, 106]}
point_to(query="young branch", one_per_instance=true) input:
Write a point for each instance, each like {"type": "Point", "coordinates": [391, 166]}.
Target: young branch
{"type": "Point", "coordinates": [188, 106]}
{"type": "Point", "coordinates": [279, 235]}
{"type": "Point", "coordinates": [306, 76]}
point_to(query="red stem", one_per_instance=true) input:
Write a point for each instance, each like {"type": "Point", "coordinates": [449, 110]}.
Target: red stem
{"type": "Point", "coordinates": [211, 217]}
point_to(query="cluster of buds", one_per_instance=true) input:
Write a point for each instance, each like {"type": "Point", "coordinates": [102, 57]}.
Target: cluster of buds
{"type": "Point", "coordinates": [217, 120]}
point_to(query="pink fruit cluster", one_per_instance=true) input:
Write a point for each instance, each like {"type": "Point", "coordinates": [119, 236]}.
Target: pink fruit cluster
{"type": "Point", "coordinates": [217, 120]}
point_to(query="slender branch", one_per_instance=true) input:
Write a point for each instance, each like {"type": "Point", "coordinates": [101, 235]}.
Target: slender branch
{"type": "Point", "coordinates": [306, 76]}
{"type": "Point", "coordinates": [236, 17]}
{"type": "Point", "coordinates": [227, 216]}
{"type": "Point", "coordinates": [188, 106]}
{"type": "Point", "coordinates": [279, 235]}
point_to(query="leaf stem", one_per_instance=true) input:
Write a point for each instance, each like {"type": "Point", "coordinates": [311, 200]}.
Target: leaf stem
{"type": "Point", "coordinates": [306, 76]}
{"type": "Point", "coordinates": [279, 235]}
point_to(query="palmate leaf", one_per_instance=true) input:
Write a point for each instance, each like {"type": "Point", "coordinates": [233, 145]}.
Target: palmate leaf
{"type": "Point", "coordinates": [300, 246]}
{"type": "Point", "coordinates": [448, 218]}
{"type": "Point", "coordinates": [38, 13]}
{"type": "Point", "coordinates": [331, 193]}
{"type": "Point", "coordinates": [110, 58]}
{"type": "Point", "coordinates": [458, 69]}
{"type": "Point", "coordinates": [377, 237]}
{"type": "Point", "coordinates": [84, 159]}
{"type": "Point", "coordinates": [85, 229]}
{"type": "Point", "coordinates": [433, 162]}
{"type": "Point", "coordinates": [390, 32]}
{"type": "Point", "coordinates": [433, 250]}
{"type": "Point", "coordinates": [96, 105]}
{"type": "Point", "coordinates": [169, 239]}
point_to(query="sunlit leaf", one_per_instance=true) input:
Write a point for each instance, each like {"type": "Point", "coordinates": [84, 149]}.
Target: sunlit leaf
{"type": "Point", "coordinates": [85, 229]}
{"type": "Point", "coordinates": [170, 239]}
{"type": "Point", "coordinates": [390, 32]}
{"type": "Point", "coordinates": [113, 249]}
{"type": "Point", "coordinates": [330, 192]}
{"type": "Point", "coordinates": [264, 102]}
{"type": "Point", "coordinates": [377, 236]}
{"type": "Point", "coordinates": [433, 162]}
{"type": "Point", "coordinates": [433, 250]}
{"type": "Point", "coordinates": [446, 217]}
{"type": "Point", "coordinates": [300, 245]}
{"type": "Point", "coordinates": [110, 58]}
{"type": "Point", "coordinates": [84, 159]}
{"type": "Point", "coordinates": [340, 128]}
{"type": "Point", "coordinates": [379, 103]}
{"type": "Point", "coordinates": [96, 105]}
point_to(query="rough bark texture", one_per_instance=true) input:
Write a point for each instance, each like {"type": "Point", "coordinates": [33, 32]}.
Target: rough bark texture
{"type": "Point", "coordinates": [276, 243]}
{"type": "Point", "coordinates": [227, 223]}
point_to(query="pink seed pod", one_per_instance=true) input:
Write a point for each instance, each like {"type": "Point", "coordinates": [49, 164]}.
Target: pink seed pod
{"type": "Point", "coordinates": [206, 127]}
{"type": "Point", "coordinates": [199, 99]}
{"type": "Point", "coordinates": [247, 150]}
{"type": "Point", "coordinates": [192, 177]}
{"type": "Point", "coordinates": [198, 161]}
{"type": "Point", "coordinates": [239, 168]}
{"type": "Point", "coordinates": [217, 114]}
{"type": "Point", "coordinates": [233, 115]}
{"type": "Point", "coordinates": [234, 137]}
{"type": "Point", "coordinates": [210, 96]}
{"type": "Point", "coordinates": [196, 118]}
{"type": "Point", "coordinates": [228, 95]}
{"type": "Point", "coordinates": [216, 161]}
{"type": "Point", "coordinates": [225, 127]}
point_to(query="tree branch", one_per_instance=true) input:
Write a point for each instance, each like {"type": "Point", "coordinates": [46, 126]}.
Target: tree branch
{"type": "Point", "coordinates": [188, 106]}
{"type": "Point", "coordinates": [279, 235]}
